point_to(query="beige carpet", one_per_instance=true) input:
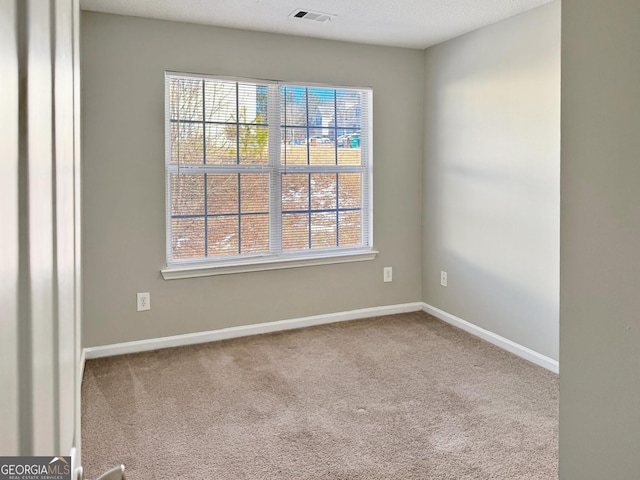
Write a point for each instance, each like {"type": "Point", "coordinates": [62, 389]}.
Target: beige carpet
{"type": "Point", "coordinates": [395, 397]}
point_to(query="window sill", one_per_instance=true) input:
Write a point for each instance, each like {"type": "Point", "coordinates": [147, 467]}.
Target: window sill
{"type": "Point", "coordinates": [264, 263]}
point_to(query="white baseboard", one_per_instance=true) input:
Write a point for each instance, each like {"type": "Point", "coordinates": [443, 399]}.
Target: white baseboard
{"type": "Point", "coordinates": [280, 325]}
{"type": "Point", "coordinates": [245, 330]}
{"type": "Point", "coordinates": [497, 340]}
{"type": "Point", "coordinates": [83, 360]}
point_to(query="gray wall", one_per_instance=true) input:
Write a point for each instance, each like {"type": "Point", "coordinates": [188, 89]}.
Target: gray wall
{"type": "Point", "coordinates": [600, 266]}
{"type": "Point", "coordinates": [123, 60]}
{"type": "Point", "coordinates": [492, 178]}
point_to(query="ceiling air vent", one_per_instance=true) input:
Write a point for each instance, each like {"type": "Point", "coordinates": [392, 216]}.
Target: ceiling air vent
{"type": "Point", "coordinates": [315, 16]}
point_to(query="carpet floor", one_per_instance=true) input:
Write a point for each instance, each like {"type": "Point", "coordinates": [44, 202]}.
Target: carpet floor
{"type": "Point", "coordinates": [396, 397]}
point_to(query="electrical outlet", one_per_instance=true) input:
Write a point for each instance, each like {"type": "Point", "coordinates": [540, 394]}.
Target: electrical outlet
{"type": "Point", "coordinates": [387, 274]}
{"type": "Point", "coordinates": [143, 301]}
{"type": "Point", "coordinates": [443, 278]}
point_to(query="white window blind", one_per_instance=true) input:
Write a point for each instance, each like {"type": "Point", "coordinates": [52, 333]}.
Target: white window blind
{"type": "Point", "coordinates": [265, 169]}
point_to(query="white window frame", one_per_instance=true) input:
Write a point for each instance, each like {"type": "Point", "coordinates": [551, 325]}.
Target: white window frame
{"type": "Point", "coordinates": [275, 259]}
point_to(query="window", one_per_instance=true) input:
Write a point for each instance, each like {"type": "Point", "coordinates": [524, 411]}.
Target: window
{"type": "Point", "coordinates": [265, 174]}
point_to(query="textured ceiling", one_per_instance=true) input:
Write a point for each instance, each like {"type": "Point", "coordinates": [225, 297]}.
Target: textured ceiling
{"type": "Point", "coordinates": [401, 23]}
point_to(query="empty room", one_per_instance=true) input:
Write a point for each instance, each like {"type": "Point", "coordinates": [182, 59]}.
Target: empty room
{"type": "Point", "coordinates": [480, 203]}
{"type": "Point", "coordinates": [349, 240]}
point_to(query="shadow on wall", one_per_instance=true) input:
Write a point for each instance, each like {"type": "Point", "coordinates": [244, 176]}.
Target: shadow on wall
{"type": "Point", "coordinates": [492, 178]}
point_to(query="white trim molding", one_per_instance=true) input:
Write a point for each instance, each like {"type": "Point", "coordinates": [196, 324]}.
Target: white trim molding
{"type": "Point", "coordinates": [82, 361]}
{"type": "Point", "coordinates": [257, 264]}
{"type": "Point", "coordinates": [75, 464]}
{"type": "Point", "coordinates": [246, 330]}
{"type": "Point", "coordinates": [495, 339]}
{"type": "Point", "coordinates": [291, 324]}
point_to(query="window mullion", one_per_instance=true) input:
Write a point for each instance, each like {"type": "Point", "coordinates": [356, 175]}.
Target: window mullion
{"type": "Point", "coordinates": [204, 161]}
{"type": "Point", "coordinates": [275, 182]}
{"type": "Point", "coordinates": [367, 175]}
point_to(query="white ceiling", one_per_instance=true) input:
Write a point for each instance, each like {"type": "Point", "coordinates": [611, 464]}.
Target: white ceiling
{"type": "Point", "coordinates": [400, 23]}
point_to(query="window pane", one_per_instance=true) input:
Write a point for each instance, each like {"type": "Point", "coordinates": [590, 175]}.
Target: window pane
{"type": "Point", "coordinates": [322, 151]}
{"type": "Point", "coordinates": [187, 194]}
{"type": "Point", "coordinates": [262, 104]}
{"type": "Point", "coordinates": [350, 190]}
{"type": "Point", "coordinates": [174, 92]}
{"type": "Point", "coordinates": [294, 146]}
{"type": "Point", "coordinates": [186, 98]}
{"type": "Point", "coordinates": [174, 143]}
{"type": "Point", "coordinates": [295, 192]}
{"type": "Point", "coordinates": [223, 235]}
{"type": "Point", "coordinates": [255, 233]}
{"type": "Point", "coordinates": [349, 156]}
{"type": "Point", "coordinates": [187, 238]}
{"type": "Point", "coordinates": [220, 101]}
{"type": "Point", "coordinates": [349, 107]}
{"type": "Point", "coordinates": [295, 231]}
{"type": "Point", "coordinates": [254, 145]}
{"type": "Point", "coordinates": [254, 193]}
{"type": "Point", "coordinates": [322, 107]}
{"type": "Point", "coordinates": [323, 191]}
{"type": "Point", "coordinates": [323, 230]}
{"type": "Point", "coordinates": [252, 104]}
{"type": "Point", "coordinates": [293, 106]}
{"type": "Point", "coordinates": [222, 194]}
{"type": "Point", "coordinates": [186, 143]}
{"type": "Point", "coordinates": [349, 152]}
{"type": "Point", "coordinates": [222, 144]}
{"type": "Point", "coordinates": [350, 234]}
{"type": "Point", "coordinates": [320, 116]}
